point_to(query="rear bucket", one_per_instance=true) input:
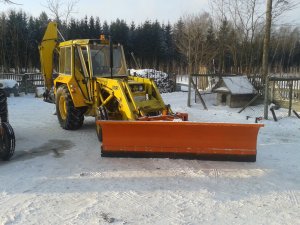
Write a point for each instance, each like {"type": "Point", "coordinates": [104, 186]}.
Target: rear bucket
{"type": "Point", "coordinates": [188, 140]}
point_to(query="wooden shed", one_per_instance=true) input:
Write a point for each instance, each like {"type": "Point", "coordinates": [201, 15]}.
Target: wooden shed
{"type": "Point", "coordinates": [234, 91]}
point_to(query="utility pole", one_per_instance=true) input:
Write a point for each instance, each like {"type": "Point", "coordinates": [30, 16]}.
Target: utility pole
{"type": "Point", "coordinates": [190, 74]}
{"type": "Point", "coordinates": [266, 55]}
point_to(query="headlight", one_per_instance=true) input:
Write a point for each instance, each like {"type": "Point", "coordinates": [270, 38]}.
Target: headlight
{"type": "Point", "coordinates": [137, 88]}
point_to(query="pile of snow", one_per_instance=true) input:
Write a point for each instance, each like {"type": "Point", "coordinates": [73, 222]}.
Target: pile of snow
{"type": "Point", "coordinates": [161, 79]}
{"type": "Point", "coordinates": [10, 87]}
{"type": "Point", "coordinates": [39, 91]}
{"type": "Point", "coordinates": [8, 83]}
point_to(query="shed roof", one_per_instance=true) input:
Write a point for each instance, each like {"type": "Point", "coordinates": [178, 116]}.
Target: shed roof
{"type": "Point", "coordinates": [222, 89]}
{"type": "Point", "coordinates": [239, 85]}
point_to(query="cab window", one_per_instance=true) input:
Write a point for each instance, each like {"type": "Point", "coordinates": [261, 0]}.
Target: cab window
{"type": "Point", "coordinates": [65, 60]}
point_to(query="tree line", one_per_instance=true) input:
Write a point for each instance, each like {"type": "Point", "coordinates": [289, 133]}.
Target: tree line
{"type": "Point", "coordinates": [216, 43]}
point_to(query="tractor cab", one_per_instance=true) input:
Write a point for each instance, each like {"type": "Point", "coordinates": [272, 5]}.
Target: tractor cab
{"type": "Point", "coordinates": [91, 58]}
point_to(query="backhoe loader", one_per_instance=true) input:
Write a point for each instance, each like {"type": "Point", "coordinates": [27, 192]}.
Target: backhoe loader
{"type": "Point", "coordinates": [131, 117]}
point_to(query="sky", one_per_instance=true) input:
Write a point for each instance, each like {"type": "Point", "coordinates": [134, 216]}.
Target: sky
{"type": "Point", "coordinates": [129, 10]}
{"type": "Point", "coordinates": [134, 10]}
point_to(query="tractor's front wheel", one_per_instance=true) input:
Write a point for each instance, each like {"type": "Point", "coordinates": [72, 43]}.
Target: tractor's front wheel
{"type": "Point", "coordinates": [7, 141]}
{"type": "Point", "coordinates": [69, 117]}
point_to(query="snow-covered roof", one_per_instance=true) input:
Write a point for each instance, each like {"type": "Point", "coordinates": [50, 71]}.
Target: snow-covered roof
{"type": "Point", "coordinates": [148, 73]}
{"type": "Point", "coordinates": [239, 85]}
{"type": "Point", "coordinates": [222, 89]}
{"type": "Point", "coordinates": [160, 78]}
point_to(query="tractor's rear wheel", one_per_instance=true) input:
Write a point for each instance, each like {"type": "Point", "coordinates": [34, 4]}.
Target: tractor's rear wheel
{"type": "Point", "coordinates": [69, 117]}
{"type": "Point", "coordinates": [7, 141]}
{"type": "Point", "coordinates": [3, 106]}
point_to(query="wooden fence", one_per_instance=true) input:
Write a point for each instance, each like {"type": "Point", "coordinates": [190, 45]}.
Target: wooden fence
{"type": "Point", "coordinates": [27, 81]}
{"type": "Point", "coordinates": [285, 92]}
{"type": "Point", "coordinates": [282, 86]}
{"type": "Point", "coordinates": [284, 89]}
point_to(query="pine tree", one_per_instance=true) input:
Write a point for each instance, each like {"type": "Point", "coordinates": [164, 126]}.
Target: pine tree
{"type": "Point", "coordinates": [92, 28]}
{"type": "Point", "coordinates": [119, 32]}
{"type": "Point", "coordinates": [105, 28]}
{"type": "Point", "coordinates": [98, 29]}
{"type": "Point", "coordinates": [223, 39]}
{"type": "Point", "coordinates": [211, 43]}
{"type": "Point", "coordinates": [170, 46]}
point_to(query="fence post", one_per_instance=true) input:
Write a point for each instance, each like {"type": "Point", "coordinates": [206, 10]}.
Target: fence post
{"type": "Point", "coordinates": [290, 97]}
{"type": "Point", "coordinates": [175, 82]}
{"type": "Point", "coordinates": [189, 91]}
{"type": "Point", "coordinates": [195, 91]}
{"type": "Point", "coordinates": [25, 81]}
{"type": "Point", "coordinates": [266, 97]}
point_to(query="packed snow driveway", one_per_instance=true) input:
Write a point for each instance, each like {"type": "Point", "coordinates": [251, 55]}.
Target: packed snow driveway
{"type": "Point", "coordinates": [58, 176]}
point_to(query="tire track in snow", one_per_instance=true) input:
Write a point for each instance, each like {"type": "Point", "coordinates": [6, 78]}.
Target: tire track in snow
{"type": "Point", "coordinates": [286, 199]}
{"type": "Point", "coordinates": [136, 201]}
{"type": "Point", "coordinates": [190, 206]}
{"type": "Point", "coordinates": [293, 197]}
{"type": "Point", "coordinates": [19, 209]}
{"type": "Point", "coordinates": [215, 173]}
{"type": "Point", "coordinates": [151, 213]}
{"type": "Point", "coordinates": [80, 205]}
{"type": "Point", "coordinates": [180, 203]}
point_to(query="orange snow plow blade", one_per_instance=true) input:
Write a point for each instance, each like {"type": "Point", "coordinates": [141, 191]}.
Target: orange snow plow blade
{"type": "Point", "coordinates": [216, 141]}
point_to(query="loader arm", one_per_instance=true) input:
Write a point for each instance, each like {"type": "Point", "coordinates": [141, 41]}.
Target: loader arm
{"type": "Point", "coordinates": [46, 48]}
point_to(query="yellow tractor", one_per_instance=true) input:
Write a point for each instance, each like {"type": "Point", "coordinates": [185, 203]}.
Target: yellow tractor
{"type": "Point", "coordinates": [131, 116]}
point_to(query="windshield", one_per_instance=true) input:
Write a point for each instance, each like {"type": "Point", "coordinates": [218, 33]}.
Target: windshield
{"type": "Point", "coordinates": [100, 55]}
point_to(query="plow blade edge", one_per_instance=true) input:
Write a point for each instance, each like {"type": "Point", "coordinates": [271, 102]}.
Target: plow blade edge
{"type": "Point", "coordinates": [216, 141]}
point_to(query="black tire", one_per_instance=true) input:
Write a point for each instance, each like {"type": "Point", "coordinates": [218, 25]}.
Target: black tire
{"type": "Point", "coordinates": [102, 115]}
{"type": "Point", "coordinates": [99, 132]}
{"type": "Point", "coordinates": [3, 106]}
{"type": "Point", "coordinates": [7, 142]}
{"type": "Point", "coordinates": [69, 117]}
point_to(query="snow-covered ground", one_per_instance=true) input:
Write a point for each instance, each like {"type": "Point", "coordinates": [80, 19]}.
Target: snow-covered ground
{"type": "Point", "coordinates": [58, 176]}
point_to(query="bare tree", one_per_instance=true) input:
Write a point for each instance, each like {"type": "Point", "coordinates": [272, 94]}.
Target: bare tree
{"type": "Point", "coordinates": [190, 40]}
{"type": "Point", "coordinates": [279, 7]}
{"type": "Point", "coordinates": [9, 2]}
{"type": "Point", "coordinates": [61, 10]}
{"type": "Point", "coordinates": [246, 17]}
{"type": "Point", "coordinates": [266, 54]}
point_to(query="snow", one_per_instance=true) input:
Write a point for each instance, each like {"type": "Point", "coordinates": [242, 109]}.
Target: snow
{"type": "Point", "coordinates": [222, 89]}
{"type": "Point", "coordinates": [58, 177]}
{"type": "Point", "coordinates": [8, 83]}
{"type": "Point", "coordinates": [161, 79]}
{"type": "Point", "coordinates": [149, 73]}
{"type": "Point", "coordinates": [39, 91]}
{"type": "Point", "coordinates": [239, 85]}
